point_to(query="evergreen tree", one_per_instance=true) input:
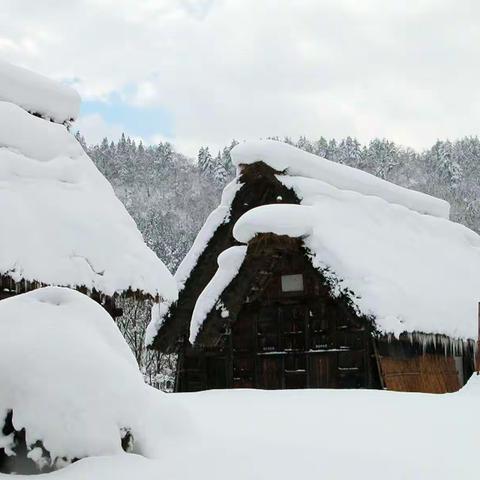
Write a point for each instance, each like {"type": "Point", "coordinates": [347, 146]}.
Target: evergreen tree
{"type": "Point", "coordinates": [381, 158]}
{"type": "Point", "coordinates": [305, 144]}
{"type": "Point", "coordinates": [219, 172]}
{"type": "Point", "coordinates": [349, 152]}
{"type": "Point", "coordinates": [205, 161]}
{"type": "Point", "coordinates": [81, 140]}
{"type": "Point", "coordinates": [447, 167]}
{"type": "Point", "coordinates": [227, 159]}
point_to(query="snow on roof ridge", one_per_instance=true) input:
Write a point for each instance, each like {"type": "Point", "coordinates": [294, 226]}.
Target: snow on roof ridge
{"type": "Point", "coordinates": [38, 94]}
{"type": "Point", "coordinates": [287, 158]}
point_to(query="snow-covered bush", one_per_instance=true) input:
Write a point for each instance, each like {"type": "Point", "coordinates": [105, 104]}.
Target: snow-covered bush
{"type": "Point", "coordinates": [70, 386]}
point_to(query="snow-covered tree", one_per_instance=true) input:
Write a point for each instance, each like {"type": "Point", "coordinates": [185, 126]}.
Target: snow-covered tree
{"type": "Point", "coordinates": [227, 159]}
{"type": "Point", "coordinates": [212, 167]}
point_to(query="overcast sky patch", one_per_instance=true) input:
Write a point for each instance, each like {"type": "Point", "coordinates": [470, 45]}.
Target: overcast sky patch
{"type": "Point", "coordinates": [203, 71]}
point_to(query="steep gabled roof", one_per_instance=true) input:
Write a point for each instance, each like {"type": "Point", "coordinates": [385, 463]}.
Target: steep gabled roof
{"type": "Point", "coordinates": [283, 157]}
{"type": "Point", "coordinates": [412, 272]}
{"type": "Point", "coordinates": [255, 185]}
{"type": "Point", "coordinates": [60, 221]}
{"type": "Point", "coordinates": [410, 268]}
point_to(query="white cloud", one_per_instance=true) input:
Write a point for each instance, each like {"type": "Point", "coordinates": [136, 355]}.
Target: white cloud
{"type": "Point", "coordinates": [252, 68]}
{"type": "Point", "coordinates": [94, 128]}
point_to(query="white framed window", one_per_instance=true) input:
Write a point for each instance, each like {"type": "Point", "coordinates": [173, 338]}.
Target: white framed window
{"type": "Point", "coordinates": [292, 283]}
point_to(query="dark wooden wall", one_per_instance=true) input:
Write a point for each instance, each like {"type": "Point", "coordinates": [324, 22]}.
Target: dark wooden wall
{"type": "Point", "coordinates": [259, 187]}
{"type": "Point", "coordinates": [279, 339]}
{"type": "Point", "coordinates": [305, 339]}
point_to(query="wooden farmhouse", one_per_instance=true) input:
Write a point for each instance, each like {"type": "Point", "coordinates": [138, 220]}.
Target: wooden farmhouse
{"type": "Point", "coordinates": [312, 274]}
{"type": "Point", "coordinates": [60, 221]}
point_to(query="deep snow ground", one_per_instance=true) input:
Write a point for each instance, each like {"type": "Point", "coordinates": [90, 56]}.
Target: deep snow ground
{"type": "Point", "coordinates": [328, 434]}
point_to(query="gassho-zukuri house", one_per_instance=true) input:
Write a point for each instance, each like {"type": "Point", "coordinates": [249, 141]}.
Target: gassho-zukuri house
{"type": "Point", "coordinates": [314, 274]}
{"type": "Point", "coordinates": [60, 221]}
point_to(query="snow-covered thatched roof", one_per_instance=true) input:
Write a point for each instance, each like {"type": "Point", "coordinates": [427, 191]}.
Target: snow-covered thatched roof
{"type": "Point", "coordinates": [408, 265]}
{"type": "Point", "coordinates": [60, 221]}
{"type": "Point", "coordinates": [295, 162]}
{"type": "Point", "coordinates": [38, 94]}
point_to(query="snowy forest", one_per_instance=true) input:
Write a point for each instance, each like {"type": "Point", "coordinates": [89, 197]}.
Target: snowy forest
{"type": "Point", "coordinates": [170, 195]}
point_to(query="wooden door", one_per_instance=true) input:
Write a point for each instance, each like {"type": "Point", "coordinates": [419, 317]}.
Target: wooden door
{"type": "Point", "coordinates": [216, 372]}
{"type": "Point", "coordinates": [243, 343]}
{"type": "Point", "coordinates": [243, 371]}
{"type": "Point", "coordinates": [295, 365]}
{"type": "Point", "coordinates": [269, 372]}
{"type": "Point", "coordinates": [322, 367]}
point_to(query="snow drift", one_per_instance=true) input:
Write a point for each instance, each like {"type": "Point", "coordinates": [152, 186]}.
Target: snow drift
{"type": "Point", "coordinates": [70, 379]}
{"type": "Point", "coordinates": [38, 94]}
{"type": "Point", "coordinates": [337, 435]}
{"type": "Point", "coordinates": [61, 222]}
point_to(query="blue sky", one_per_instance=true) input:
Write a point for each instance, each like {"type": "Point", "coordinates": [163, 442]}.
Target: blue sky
{"type": "Point", "coordinates": [138, 121]}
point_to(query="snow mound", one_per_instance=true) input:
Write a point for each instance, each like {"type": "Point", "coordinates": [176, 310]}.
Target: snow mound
{"type": "Point", "coordinates": [61, 222]}
{"type": "Point", "coordinates": [293, 161]}
{"type": "Point", "coordinates": [70, 378]}
{"type": "Point", "coordinates": [413, 272]}
{"type": "Point", "coordinates": [229, 263]}
{"type": "Point", "coordinates": [38, 94]}
{"type": "Point", "coordinates": [472, 387]}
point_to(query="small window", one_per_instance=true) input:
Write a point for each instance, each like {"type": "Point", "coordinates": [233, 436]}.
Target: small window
{"type": "Point", "coordinates": [292, 283]}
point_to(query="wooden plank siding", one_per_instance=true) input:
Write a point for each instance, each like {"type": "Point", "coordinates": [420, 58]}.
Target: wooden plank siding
{"type": "Point", "coordinates": [282, 339]}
